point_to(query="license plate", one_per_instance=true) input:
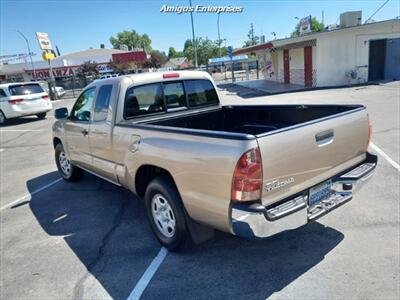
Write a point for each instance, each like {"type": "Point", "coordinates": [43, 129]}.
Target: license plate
{"type": "Point", "coordinates": [319, 192]}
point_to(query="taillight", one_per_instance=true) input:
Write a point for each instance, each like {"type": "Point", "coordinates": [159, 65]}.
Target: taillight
{"type": "Point", "coordinates": [369, 131]}
{"type": "Point", "coordinates": [247, 178]}
{"type": "Point", "coordinates": [15, 101]}
{"type": "Point", "coordinates": [45, 97]}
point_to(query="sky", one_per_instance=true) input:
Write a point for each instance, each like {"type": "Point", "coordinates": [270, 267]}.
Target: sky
{"type": "Point", "coordinates": [75, 25]}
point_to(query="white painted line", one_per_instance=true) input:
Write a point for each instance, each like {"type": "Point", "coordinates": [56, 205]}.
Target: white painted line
{"type": "Point", "coordinates": [148, 275]}
{"type": "Point", "coordinates": [20, 130]}
{"type": "Point", "coordinates": [1, 150]}
{"type": "Point", "coordinates": [27, 196]}
{"type": "Point", "coordinates": [385, 156]}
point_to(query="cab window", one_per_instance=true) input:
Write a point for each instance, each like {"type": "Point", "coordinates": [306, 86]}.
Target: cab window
{"type": "Point", "coordinates": [201, 92]}
{"type": "Point", "coordinates": [83, 106]}
{"type": "Point", "coordinates": [174, 95]}
{"type": "Point", "coordinates": [144, 99]}
{"type": "Point", "coordinates": [102, 103]}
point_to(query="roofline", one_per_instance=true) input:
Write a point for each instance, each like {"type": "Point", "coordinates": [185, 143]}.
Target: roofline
{"type": "Point", "coordinates": [263, 46]}
{"type": "Point", "coordinates": [313, 34]}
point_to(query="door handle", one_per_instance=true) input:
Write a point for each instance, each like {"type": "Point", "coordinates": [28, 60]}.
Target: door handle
{"type": "Point", "coordinates": [85, 132]}
{"type": "Point", "coordinates": [325, 137]}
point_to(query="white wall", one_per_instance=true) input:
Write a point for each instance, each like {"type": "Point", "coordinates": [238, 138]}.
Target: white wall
{"type": "Point", "coordinates": [345, 50]}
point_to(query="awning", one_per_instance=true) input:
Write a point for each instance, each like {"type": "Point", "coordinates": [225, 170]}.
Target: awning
{"type": "Point", "coordinates": [227, 59]}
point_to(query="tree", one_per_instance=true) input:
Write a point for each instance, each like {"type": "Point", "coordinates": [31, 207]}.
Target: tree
{"type": "Point", "coordinates": [172, 53]}
{"type": "Point", "coordinates": [122, 67]}
{"type": "Point", "coordinates": [205, 49]}
{"type": "Point", "coordinates": [88, 69]}
{"type": "Point", "coordinates": [158, 59]}
{"type": "Point", "coordinates": [253, 39]}
{"type": "Point", "coordinates": [316, 26]}
{"type": "Point", "coordinates": [132, 40]}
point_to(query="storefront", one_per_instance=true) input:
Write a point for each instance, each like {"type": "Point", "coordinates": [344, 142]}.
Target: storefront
{"type": "Point", "coordinates": [342, 56]}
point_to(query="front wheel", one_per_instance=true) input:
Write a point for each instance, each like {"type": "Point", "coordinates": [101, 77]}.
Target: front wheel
{"type": "Point", "coordinates": [166, 214]}
{"type": "Point", "coordinates": [41, 116]}
{"type": "Point", "coordinates": [68, 171]}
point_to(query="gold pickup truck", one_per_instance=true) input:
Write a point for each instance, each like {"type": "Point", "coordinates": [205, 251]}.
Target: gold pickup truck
{"type": "Point", "coordinates": [253, 170]}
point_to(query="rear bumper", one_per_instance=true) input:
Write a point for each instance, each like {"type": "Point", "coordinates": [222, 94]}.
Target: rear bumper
{"type": "Point", "coordinates": [15, 111]}
{"type": "Point", "coordinates": [257, 221]}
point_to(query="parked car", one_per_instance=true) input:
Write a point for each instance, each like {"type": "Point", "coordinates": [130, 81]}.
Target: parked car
{"type": "Point", "coordinates": [253, 170]}
{"type": "Point", "coordinates": [108, 76]}
{"type": "Point", "coordinates": [23, 99]}
{"type": "Point", "coordinates": [58, 90]}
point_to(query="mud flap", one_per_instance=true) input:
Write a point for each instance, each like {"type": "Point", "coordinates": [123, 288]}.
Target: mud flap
{"type": "Point", "coordinates": [198, 232]}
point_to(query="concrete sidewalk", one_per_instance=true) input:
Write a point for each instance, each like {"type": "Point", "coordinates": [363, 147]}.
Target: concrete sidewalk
{"type": "Point", "coordinates": [272, 87]}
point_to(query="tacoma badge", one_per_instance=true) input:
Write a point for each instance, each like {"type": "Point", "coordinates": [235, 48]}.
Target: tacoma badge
{"type": "Point", "coordinates": [277, 184]}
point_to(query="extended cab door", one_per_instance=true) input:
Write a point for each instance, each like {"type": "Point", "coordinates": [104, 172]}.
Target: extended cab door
{"type": "Point", "coordinates": [77, 129]}
{"type": "Point", "coordinates": [100, 132]}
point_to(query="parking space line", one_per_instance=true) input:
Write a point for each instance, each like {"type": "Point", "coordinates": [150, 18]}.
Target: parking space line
{"type": "Point", "coordinates": [148, 275]}
{"type": "Point", "coordinates": [27, 196]}
{"type": "Point", "coordinates": [385, 156]}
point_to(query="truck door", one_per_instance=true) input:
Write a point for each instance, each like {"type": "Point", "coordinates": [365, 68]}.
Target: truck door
{"type": "Point", "coordinates": [77, 129]}
{"type": "Point", "coordinates": [100, 132]}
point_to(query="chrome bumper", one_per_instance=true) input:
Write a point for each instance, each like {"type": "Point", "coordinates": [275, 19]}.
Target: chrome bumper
{"type": "Point", "coordinates": [258, 221]}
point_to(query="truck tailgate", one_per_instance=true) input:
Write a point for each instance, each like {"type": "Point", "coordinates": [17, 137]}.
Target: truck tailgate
{"type": "Point", "coordinates": [299, 157]}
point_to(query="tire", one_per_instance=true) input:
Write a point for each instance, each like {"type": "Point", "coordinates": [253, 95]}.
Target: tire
{"type": "Point", "coordinates": [68, 171]}
{"type": "Point", "coordinates": [162, 190]}
{"type": "Point", "coordinates": [41, 116]}
{"type": "Point", "coordinates": [3, 119]}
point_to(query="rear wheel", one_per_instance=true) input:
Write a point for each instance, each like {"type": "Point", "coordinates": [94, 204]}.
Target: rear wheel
{"type": "Point", "coordinates": [68, 171]}
{"type": "Point", "coordinates": [3, 119]}
{"type": "Point", "coordinates": [166, 214]}
{"type": "Point", "coordinates": [41, 115]}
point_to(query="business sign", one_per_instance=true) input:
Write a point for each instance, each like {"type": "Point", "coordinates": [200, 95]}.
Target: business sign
{"type": "Point", "coordinates": [305, 25]}
{"type": "Point", "coordinates": [44, 41]}
{"type": "Point", "coordinates": [48, 55]}
{"type": "Point", "coordinates": [57, 73]}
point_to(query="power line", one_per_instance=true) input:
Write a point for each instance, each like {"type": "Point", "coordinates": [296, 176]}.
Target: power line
{"type": "Point", "coordinates": [376, 11]}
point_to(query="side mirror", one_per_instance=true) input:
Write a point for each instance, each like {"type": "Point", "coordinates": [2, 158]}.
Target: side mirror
{"type": "Point", "coordinates": [61, 113]}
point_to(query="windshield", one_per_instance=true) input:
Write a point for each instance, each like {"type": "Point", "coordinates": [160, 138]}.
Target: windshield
{"type": "Point", "coordinates": [25, 89]}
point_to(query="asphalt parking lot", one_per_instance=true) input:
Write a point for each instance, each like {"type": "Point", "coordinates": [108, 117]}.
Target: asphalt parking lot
{"type": "Point", "coordinates": [90, 240]}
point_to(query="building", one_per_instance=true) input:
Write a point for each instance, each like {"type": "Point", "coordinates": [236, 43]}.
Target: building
{"type": "Point", "coordinates": [67, 65]}
{"type": "Point", "coordinates": [348, 54]}
{"type": "Point", "coordinates": [178, 63]}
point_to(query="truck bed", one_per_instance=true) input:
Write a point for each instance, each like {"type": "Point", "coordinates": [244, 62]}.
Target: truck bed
{"type": "Point", "coordinates": [254, 120]}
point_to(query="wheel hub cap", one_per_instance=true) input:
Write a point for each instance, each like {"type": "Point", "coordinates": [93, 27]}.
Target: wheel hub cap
{"type": "Point", "coordinates": [163, 215]}
{"type": "Point", "coordinates": [64, 163]}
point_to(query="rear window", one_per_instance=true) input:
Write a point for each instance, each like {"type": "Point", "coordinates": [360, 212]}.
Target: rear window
{"type": "Point", "coordinates": [145, 99]}
{"type": "Point", "coordinates": [201, 92]}
{"type": "Point", "coordinates": [25, 89]}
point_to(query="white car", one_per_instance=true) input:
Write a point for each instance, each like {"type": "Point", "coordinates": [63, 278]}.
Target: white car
{"type": "Point", "coordinates": [23, 99]}
{"type": "Point", "coordinates": [58, 90]}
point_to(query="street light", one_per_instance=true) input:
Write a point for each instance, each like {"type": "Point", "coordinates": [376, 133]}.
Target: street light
{"type": "Point", "coordinates": [194, 40]}
{"type": "Point", "coordinates": [30, 54]}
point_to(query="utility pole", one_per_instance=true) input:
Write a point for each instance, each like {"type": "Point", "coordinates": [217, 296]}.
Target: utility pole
{"type": "Point", "coordinates": [219, 37]}
{"type": "Point", "coordinates": [30, 54]}
{"type": "Point", "coordinates": [194, 40]}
